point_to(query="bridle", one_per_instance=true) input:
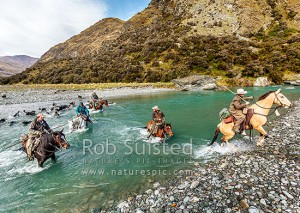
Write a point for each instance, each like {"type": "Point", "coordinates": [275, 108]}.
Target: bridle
{"type": "Point", "coordinates": [56, 141]}
{"type": "Point", "coordinates": [274, 108]}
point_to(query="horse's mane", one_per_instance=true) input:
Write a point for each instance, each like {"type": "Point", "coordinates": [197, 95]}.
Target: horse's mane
{"type": "Point", "coordinates": [104, 101]}
{"type": "Point", "coordinates": [265, 95]}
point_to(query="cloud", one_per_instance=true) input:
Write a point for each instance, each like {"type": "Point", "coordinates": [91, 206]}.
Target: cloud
{"type": "Point", "coordinates": [31, 27]}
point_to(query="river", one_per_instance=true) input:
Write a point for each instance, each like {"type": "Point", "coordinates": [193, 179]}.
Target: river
{"type": "Point", "coordinates": [113, 159]}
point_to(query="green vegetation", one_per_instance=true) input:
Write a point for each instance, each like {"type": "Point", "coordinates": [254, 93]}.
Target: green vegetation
{"type": "Point", "coordinates": [90, 86]}
{"type": "Point", "coordinates": [156, 47]}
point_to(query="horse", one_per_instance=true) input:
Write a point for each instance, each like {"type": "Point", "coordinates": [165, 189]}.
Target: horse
{"type": "Point", "coordinates": [48, 145]}
{"type": "Point", "coordinates": [98, 104]}
{"type": "Point", "coordinates": [79, 122]}
{"type": "Point", "coordinates": [161, 132]}
{"type": "Point", "coordinates": [29, 113]}
{"type": "Point", "coordinates": [260, 111]}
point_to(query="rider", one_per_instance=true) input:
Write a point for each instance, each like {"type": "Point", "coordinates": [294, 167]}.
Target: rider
{"type": "Point", "coordinates": [236, 109]}
{"type": "Point", "coordinates": [158, 119]}
{"type": "Point", "coordinates": [94, 96]}
{"type": "Point", "coordinates": [37, 127]}
{"type": "Point", "coordinates": [94, 99]}
{"type": "Point", "coordinates": [81, 110]}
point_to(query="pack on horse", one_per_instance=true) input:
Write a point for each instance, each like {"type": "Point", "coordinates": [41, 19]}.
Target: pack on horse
{"type": "Point", "coordinates": [98, 104]}
{"type": "Point", "coordinates": [161, 132]}
{"type": "Point", "coordinates": [256, 117]}
{"type": "Point", "coordinates": [49, 144]}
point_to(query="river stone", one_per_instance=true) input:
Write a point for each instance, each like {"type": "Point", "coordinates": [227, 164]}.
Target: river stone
{"type": "Point", "coordinates": [186, 199]}
{"type": "Point", "coordinates": [196, 82]}
{"type": "Point", "coordinates": [262, 82]}
{"type": "Point", "coordinates": [139, 211]}
{"type": "Point", "coordinates": [156, 185]}
{"type": "Point", "coordinates": [263, 202]}
{"type": "Point", "coordinates": [288, 195]}
{"type": "Point", "coordinates": [149, 191]}
{"type": "Point", "coordinates": [194, 184]}
{"type": "Point", "coordinates": [253, 209]}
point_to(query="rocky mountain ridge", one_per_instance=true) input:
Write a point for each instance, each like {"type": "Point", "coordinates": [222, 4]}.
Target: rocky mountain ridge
{"type": "Point", "coordinates": [176, 38]}
{"type": "Point", "coordinates": [10, 65]}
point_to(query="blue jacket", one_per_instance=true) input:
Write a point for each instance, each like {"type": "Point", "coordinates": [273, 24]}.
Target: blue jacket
{"type": "Point", "coordinates": [82, 110]}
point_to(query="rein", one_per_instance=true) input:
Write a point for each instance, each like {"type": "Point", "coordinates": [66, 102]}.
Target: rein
{"type": "Point", "coordinates": [275, 108]}
{"type": "Point", "coordinates": [56, 148]}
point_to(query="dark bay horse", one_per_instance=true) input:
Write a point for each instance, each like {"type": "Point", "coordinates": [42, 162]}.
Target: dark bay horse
{"type": "Point", "coordinates": [98, 104]}
{"type": "Point", "coordinates": [161, 132]}
{"type": "Point", "coordinates": [49, 144]}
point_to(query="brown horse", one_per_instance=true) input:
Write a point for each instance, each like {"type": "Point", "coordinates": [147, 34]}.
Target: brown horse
{"type": "Point", "coordinates": [161, 132]}
{"type": "Point", "coordinates": [261, 110]}
{"type": "Point", "coordinates": [49, 144]}
{"type": "Point", "coordinates": [98, 104]}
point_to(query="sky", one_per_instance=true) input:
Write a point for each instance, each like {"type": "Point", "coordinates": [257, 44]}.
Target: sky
{"type": "Point", "coordinates": [32, 27]}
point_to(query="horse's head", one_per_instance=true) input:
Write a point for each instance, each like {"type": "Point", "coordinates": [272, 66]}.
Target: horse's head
{"type": "Point", "coordinates": [60, 139]}
{"type": "Point", "coordinates": [281, 100]}
{"type": "Point", "coordinates": [105, 102]}
{"type": "Point", "coordinates": [168, 129]}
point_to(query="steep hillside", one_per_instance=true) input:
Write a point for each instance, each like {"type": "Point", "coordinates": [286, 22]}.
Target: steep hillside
{"type": "Point", "coordinates": [176, 38]}
{"type": "Point", "coordinates": [11, 65]}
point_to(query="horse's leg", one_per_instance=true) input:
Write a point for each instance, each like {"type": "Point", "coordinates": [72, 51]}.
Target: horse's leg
{"type": "Point", "coordinates": [263, 134]}
{"type": "Point", "coordinates": [41, 162]}
{"type": "Point", "coordinates": [53, 157]}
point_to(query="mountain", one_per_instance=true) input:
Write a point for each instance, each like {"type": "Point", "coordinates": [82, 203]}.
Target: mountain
{"type": "Point", "coordinates": [177, 38]}
{"type": "Point", "coordinates": [11, 65]}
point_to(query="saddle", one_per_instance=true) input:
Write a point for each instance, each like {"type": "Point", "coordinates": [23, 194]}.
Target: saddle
{"type": "Point", "coordinates": [245, 124]}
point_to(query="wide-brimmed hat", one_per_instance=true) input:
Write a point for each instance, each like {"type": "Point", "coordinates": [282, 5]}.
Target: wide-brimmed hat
{"type": "Point", "coordinates": [155, 108]}
{"type": "Point", "coordinates": [241, 91]}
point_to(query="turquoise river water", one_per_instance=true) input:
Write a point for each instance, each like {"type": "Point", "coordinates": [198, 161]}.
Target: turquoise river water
{"type": "Point", "coordinates": [113, 159]}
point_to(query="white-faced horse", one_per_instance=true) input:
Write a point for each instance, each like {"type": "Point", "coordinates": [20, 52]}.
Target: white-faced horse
{"type": "Point", "coordinates": [78, 123]}
{"type": "Point", "coordinates": [261, 110]}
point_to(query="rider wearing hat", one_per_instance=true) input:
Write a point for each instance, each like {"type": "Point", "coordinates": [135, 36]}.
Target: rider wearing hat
{"type": "Point", "coordinates": [158, 119]}
{"type": "Point", "coordinates": [236, 109]}
{"type": "Point", "coordinates": [37, 127]}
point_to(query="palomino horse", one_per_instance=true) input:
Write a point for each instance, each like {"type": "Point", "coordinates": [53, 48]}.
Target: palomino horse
{"type": "Point", "coordinates": [98, 104]}
{"type": "Point", "coordinates": [48, 145]}
{"type": "Point", "coordinates": [161, 132]}
{"type": "Point", "coordinates": [261, 110]}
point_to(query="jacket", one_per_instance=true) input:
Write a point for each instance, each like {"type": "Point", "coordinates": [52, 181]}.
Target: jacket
{"type": "Point", "coordinates": [82, 110]}
{"type": "Point", "coordinates": [237, 105]}
{"type": "Point", "coordinates": [37, 127]}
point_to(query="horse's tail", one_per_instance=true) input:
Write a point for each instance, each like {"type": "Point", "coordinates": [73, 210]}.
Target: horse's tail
{"type": "Point", "coordinates": [215, 136]}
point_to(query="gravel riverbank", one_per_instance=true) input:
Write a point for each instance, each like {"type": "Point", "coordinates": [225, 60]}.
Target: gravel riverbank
{"type": "Point", "coordinates": [265, 179]}
{"type": "Point", "coordinates": [48, 95]}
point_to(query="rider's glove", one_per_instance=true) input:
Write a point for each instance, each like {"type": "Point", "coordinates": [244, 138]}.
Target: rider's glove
{"type": "Point", "coordinates": [247, 103]}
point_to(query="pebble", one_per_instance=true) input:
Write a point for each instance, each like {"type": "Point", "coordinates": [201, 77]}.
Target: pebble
{"type": "Point", "coordinates": [264, 179]}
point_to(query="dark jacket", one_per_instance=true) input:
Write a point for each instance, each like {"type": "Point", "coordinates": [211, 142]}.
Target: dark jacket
{"type": "Point", "coordinates": [95, 96]}
{"type": "Point", "coordinates": [37, 127]}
